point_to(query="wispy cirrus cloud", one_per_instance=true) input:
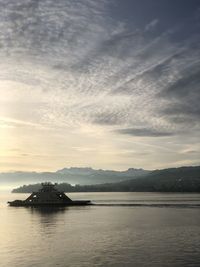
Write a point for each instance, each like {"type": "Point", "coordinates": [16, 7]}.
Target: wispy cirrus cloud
{"type": "Point", "coordinates": [145, 132]}
{"type": "Point", "coordinates": [97, 65]}
{"type": "Point", "coordinates": [151, 25]}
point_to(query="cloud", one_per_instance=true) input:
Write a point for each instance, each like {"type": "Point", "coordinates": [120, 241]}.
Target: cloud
{"type": "Point", "coordinates": [151, 25]}
{"type": "Point", "coordinates": [76, 65]}
{"type": "Point", "coordinates": [145, 132]}
{"type": "Point", "coordinates": [96, 69]}
{"type": "Point", "coordinates": [186, 85]}
{"type": "Point", "coordinates": [108, 118]}
{"type": "Point", "coordinates": [13, 123]}
{"type": "Point", "coordinates": [189, 151]}
{"type": "Point", "coordinates": [182, 97]}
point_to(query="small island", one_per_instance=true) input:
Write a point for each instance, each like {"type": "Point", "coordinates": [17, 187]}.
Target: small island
{"type": "Point", "coordinates": [48, 195]}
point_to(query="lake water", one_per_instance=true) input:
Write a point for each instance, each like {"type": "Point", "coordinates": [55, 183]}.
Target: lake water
{"type": "Point", "coordinates": [164, 230]}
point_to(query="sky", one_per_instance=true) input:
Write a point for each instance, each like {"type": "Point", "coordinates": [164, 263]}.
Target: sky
{"type": "Point", "coordinates": [109, 84]}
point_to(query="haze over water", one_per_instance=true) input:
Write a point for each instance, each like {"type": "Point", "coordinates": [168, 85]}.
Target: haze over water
{"type": "Point", "coordinates": [109, 235]}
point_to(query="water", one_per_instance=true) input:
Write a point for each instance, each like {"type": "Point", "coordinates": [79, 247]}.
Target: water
{"type": "Point", "coordinates": [163, 231]}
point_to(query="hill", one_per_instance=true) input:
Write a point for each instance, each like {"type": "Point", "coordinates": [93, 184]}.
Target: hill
{"type": "Point", "coordinates": [183, 179]}
{"type": "Point", "coordinates": [73, 175]}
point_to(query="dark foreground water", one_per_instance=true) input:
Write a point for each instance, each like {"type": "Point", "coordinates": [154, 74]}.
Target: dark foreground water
{"type": "Point", "coordinates": [163, 231]}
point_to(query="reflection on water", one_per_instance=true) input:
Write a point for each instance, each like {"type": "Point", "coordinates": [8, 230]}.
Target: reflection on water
{"type": "Point", "coordinates": [46, 212]}
{"type": "Point", "coordinates": [46, 217]}
{"type": "Point", "coordinates": [112, 233]}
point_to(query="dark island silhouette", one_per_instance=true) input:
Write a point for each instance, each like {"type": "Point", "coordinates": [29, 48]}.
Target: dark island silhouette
{"type": "Point", "coordinates": [48, 195]}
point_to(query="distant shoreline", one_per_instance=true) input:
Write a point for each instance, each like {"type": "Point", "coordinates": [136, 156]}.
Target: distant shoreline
{"type": "Point", "coordinates": [183, 179]}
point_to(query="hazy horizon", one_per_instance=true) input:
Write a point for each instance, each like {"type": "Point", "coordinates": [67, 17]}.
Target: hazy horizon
{"type": "Point", "coordinates": [96, 169]}
{"type": "Point", "coordinates": [88, 176]}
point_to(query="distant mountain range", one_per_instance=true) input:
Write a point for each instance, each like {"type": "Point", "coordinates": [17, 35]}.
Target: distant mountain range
{"type": "Point", "coordinates": [183, 179]}
{"type": "Point", "coordinates": [72, 176]}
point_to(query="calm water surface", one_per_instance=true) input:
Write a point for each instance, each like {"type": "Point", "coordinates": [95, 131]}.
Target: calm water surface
{"type": "Point", "coordinates": [163, 231]}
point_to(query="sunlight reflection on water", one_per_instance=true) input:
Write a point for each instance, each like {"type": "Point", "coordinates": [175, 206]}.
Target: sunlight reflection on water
{"type": "Point", "coordinates": [102, 235]}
